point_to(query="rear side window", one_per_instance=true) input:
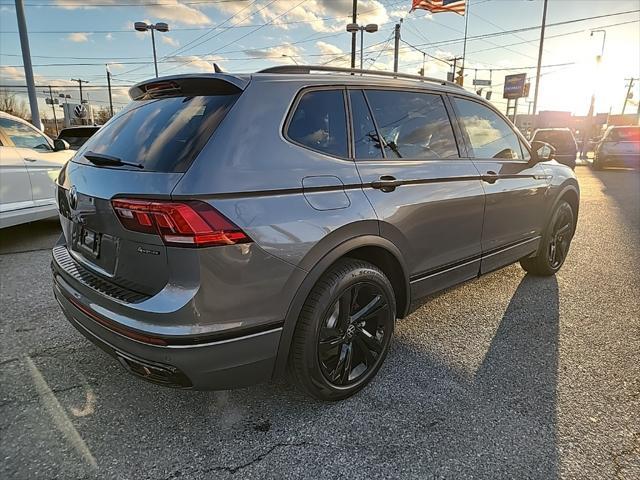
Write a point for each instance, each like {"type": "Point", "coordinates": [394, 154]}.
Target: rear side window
{"type": "Point", "coordinates": [490, 135]}
{"type": "Point", "coordinates": [412, 125]}
{"type": "Point", "coordinates": [164, 135]}
{"type": "Point", "coordinates": [624, 135]}
{"type": "Point", "coordinates": [365, 138]}
{"type": "Point", "coordinates": [554, 137]}
{"type": "Point", "coordinates": [319, 122]}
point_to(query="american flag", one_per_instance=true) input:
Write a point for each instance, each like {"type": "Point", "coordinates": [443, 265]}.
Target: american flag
{"type": "Point", "coordinates": [438, 6]}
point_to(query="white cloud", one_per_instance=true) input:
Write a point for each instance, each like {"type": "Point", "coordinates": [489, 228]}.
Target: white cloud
{"type": "Point", "coordinates": [199, 63]}
{"type": "Point", "coordinates": [332, 55]}
{"type": "Point", "coordinates": [280, 54]}
{"type": "Point", "coordinates": [78, 37]}
{"type": "Point", "coordinates": [171, 10]}
{"type": "Point", "coordinates": [174, 11]}
{"type": "Point", "coordinates": [169, 40]}
{"type": "Point", "coordinates": [311, 11]}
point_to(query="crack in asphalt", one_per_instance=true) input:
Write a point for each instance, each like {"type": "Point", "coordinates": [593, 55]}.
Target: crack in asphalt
{"type": "Point", "coordinates": [635, 448]}
{"type": "Point", "coordinates": [257, 459]}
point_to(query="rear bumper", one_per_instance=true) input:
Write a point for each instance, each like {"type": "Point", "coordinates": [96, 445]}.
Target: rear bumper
{"type": "Point", "coordinates": [215, 365]}
{"type": "Point", "coordinates": [618, 160]}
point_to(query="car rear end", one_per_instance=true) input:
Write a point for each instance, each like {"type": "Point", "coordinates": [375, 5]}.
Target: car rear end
{"type": "Point", "coordinates": [620, 147]}
{"type": "Point", "coordinates": [564, 143]}
{"type": "Point", "coordinates": [77, 136]}
{"type": "Point", "coordinates": [156, 281]}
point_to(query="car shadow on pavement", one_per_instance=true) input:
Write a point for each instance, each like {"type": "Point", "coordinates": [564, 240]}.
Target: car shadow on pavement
{"type": "Point", "coordinates": [422, 417]}
{"type": "Point", "coordinates": [499, 420]}
{"type": "Point", "coordinates": [623, 186]}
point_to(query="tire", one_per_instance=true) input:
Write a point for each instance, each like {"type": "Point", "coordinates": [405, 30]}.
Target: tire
{"type": "Point", "coordinates": [555, 243]}
{"type": "Point", "coordinates": [597, 164]}
{"type": "Point", "coordinates": [344, 331]}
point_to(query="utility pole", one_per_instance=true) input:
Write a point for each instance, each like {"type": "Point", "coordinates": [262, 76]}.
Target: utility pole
{"type": "Point", "coordinates": [80, 82]}
{"type": "Point", "coordinates": [53, 107]}
{"type": "Point", "coordinates": [455, 64]}
{"type": "Point", "coordinates": [396, 47]}
{"type": "Point", "coordinates": [28, 68]}
{"type": "Point", "coordinates": [109, 87]}
{"type": "Point", "coordinates": [466, 25]}
{"type": "Point", "coordinates": [626, 97]}
{"type": "Point", "coordinates": [354, 19]}
{"type": "Point", "coordinates": [544, 23]}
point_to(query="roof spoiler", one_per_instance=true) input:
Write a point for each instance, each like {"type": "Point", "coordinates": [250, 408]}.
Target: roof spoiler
{"type": "Point", "coordinates": [188, 85]}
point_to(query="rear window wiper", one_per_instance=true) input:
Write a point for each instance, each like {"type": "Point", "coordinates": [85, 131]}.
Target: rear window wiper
{"type": "Point", "coordinates": [108, 160]}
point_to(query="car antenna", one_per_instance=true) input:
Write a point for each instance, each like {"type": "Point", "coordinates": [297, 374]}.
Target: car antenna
{"type": "Point", "coordinates": [217, 69]}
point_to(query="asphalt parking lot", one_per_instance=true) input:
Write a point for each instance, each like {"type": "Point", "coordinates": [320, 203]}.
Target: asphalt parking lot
{"type": "Point", "coordinates": [510, 376]}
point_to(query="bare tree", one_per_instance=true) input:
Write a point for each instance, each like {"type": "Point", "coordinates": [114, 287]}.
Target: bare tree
{"type": "Point", "coordinates": [102, 115]}
{"type": "Point", "coordinates": [12, 105]}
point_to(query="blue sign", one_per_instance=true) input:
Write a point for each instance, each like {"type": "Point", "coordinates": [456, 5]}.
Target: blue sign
{"type": "Point", "coordinates": [514, 86]}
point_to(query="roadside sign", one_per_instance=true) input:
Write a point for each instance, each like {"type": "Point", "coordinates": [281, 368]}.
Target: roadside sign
{"type": "Point", "coordinates": [481, 83]}
{"type": "Point", "coordinates": [514, 86]}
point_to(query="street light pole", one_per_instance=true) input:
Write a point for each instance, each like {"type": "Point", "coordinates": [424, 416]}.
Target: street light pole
{"type": "Point", "coordinates": [544, 23]}
{"type": "Point", "coordinates": [354, 19]}
{"type": "Point", "coordinates": [143, 27]}
{"type": "Point", "coordinates": [109, 87]}
{"type": "Point", "coordinates": [28, 68]}
{"type": "Point", "coordinates": [369, 28]}
{"type": "Point", "coordinates": [153, 43]}
{"type": "Point", "coordinates": [592, 105]}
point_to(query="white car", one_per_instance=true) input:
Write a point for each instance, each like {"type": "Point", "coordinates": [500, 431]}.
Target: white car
{"type": "Point", "coordinates": [29, 164]}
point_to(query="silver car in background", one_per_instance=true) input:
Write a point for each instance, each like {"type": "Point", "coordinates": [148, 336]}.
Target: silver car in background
{"type": "Point", "coordinates": [619, 147]}
{"type": "Point", "coordinates": [223, 229]}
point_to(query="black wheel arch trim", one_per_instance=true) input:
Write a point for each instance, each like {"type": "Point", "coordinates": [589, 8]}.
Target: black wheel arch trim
{"type": "Point", "coordinates": [309, 279]}
{"type": "Point", "coordinates": [568, 186]}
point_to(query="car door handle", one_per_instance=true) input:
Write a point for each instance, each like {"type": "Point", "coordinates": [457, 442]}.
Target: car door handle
{"type": "Point", "coordinates": [31, 159]}
{"type": "Point", "coordinates": [387, 183]}
{"type": "Point", "coordinates": [490, 177]}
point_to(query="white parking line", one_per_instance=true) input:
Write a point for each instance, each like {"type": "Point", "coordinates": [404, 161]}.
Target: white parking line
{"type": "Point", "coordinates": [60, 418]}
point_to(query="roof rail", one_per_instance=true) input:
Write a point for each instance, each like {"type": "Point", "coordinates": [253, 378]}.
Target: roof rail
{"type": "Point", "coordinates": [306, 69]}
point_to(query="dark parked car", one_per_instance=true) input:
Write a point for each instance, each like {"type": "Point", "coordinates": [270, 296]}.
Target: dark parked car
{"type": "Point", "coordinates": [619, 147]}
{"type": "Point", "coordinates": [562, 140]}
{"type": "Point", "coordinates": [77, 136]}
{"type": "Point", "coordinates": [222, 229]}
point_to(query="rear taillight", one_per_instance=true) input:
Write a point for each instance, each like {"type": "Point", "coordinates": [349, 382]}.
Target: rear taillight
{"type": "Point", "coordinates": [187, 224]}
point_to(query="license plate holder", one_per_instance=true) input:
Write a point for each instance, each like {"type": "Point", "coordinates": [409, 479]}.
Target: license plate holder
{"type": "Point", "coordinates": [88, 241]}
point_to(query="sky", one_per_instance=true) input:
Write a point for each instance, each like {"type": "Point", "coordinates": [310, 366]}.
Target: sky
{"type": "Point", "coordinates": [77, 39]}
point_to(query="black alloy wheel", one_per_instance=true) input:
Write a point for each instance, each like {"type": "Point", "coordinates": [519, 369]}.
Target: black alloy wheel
{"type": "Point", "coordinates": [344, 330]}
{"type": "Point", "coordinates": [560, 238]}
{"type": "Point", "coordinates": [352, 335]}
{"type": "Point", "coordinates": [555, 243]}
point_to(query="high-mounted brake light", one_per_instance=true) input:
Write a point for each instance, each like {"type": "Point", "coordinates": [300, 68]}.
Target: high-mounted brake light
{"type": "Point", "coordinates": [187, 224]}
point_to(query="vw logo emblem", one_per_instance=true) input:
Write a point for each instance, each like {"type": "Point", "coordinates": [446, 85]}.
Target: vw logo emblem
{"type": "Point", "coordinates": [73, 197]}
{"type": "Point", "coordinates": [80, 111]}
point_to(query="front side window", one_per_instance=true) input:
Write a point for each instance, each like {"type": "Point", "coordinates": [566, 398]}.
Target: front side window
{"type": "Point", "coordinates": [490, 135]}
{"type": "Point", "coordinates": [365, 138]}
{"type": "Point", "coordinates": [413, 125]}
{"type": "Point", "coordinates": [319, 122]}
{"type": "Point", "coordinates": [24, 136]}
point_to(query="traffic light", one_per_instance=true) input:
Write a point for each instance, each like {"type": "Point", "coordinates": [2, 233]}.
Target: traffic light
{"type": "Point", "coordinates": [527, 87]}
{"type": "Point", "coordinates": [460, 76]}
{"type": "Point", "coordinates": [421, 72]}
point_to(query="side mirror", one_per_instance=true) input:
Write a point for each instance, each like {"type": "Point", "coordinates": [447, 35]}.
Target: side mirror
{"type": "Point", "coordinates": [59, 144]}
{"type": "Point", "coordinates": [542, 152]}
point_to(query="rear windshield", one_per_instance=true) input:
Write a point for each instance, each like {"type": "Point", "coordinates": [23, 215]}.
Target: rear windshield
{"type": "Point", "coordinates": [76, 137]}
{"type": "Point", "coordinates": [554, 136]}
{"type": "Point", "coordinates": [630, 134]}
{"type": "Point", "coordinates": [163, 135]}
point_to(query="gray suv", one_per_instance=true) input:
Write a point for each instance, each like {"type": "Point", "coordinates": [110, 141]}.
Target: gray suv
{"type": "Point", "coordinates": [224, 229]}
